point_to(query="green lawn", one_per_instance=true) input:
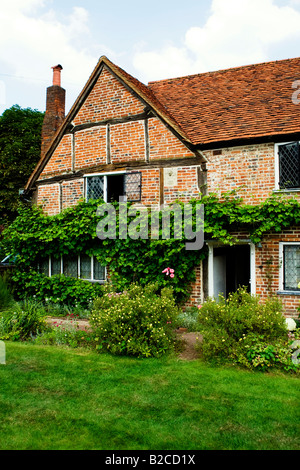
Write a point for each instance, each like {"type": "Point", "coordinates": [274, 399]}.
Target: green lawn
{"type": "Point", "coordinates": [54, 398]}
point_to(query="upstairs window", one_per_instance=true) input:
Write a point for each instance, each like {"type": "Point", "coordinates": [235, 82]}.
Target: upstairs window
{"type": "Point", "coordinates": [115, 187]}
{"type": "Point", "coordinates": [289, 165]}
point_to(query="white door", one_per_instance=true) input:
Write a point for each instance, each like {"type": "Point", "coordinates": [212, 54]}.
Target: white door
{"type": "Point", "coordinates": [219, 275]}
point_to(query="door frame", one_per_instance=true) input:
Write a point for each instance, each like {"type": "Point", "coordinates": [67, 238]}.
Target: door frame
{"type": "Point", "coordinates": [215, 244]}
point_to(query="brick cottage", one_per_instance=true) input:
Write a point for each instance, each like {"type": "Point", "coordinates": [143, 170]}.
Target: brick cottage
{"type": "Point", "coordinates": [174, 139]}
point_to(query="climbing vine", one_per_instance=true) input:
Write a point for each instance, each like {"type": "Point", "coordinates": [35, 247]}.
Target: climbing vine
{"type": "Point", "coordinates": [34, 235]}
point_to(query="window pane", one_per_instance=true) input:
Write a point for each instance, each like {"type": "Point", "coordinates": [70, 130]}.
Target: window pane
{"type": "Point", "coordinates": [99, 271]}
{"type": "Point", "coordinates": [44, 266]}
{"type": "Point", "coordinates": [85, 267]}
{"type": "Point", "coordinates": [95, 187]}
{"type": "Point", "coordinates": [291, 267]}
{"type": "Point", "coordinates": [133, 186]}
{"type": "Point", "coordinates": [289, 165]}
{"type": "Point", "coordinates": [71, 266]}
{"type": "Point", "coordinates": [55, 266]}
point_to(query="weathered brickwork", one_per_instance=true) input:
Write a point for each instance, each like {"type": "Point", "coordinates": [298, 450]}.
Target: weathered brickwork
{"type": "Point", "coordinates": [61, 161]}
{"type": "Point", "coordinates": [185, 187]}
{"type": "Point", "coordinates": [163, 144]}
{"type": "Point", "coordinates": [127, 142]}
{"type": "Point", "coordinates": [250, 170]}
{"type": "Point", "coordinates": [269, 265]}
{"type": "Point", "coordinates": [197, 295]}
{"type": "Point", "coordinates": [71, 193]}
{"type": "Point", "coordinates": [48, 196]}
{"type": "Point", "coordinates": [150, 186]}
{"type": "Point", "coordinates": [90, 147]}
{"type": "Point", "coordinates": [108, 99]}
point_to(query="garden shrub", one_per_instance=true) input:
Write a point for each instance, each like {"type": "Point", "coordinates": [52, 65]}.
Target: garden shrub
{"type": "Point", "coordinates": [244, 330]}
{"type": "Point", "coordinates": [57, 289]}
{"type": "Point", "coordinates": [189, 319]}
{"type": "Point", "coordinates": [67, 334]}
{"type": "Point", "coordinates": [138, 322]}
{"type": "Point", "coordinates": [22, 321]}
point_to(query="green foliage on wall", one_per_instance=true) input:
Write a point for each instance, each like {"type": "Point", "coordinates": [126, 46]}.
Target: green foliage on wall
{"type": "Point", "coordinates": [34, 235]}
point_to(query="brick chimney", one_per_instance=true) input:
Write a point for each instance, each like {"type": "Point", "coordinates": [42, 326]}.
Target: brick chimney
{"type": "Point", "coordinates": [55, 109]}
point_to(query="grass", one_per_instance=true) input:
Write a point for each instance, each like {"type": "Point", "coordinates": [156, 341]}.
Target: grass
{"type": "Point", "coordinates": [64, 399]}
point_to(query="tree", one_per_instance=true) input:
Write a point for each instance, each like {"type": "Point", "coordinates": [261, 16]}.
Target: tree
{"type": "Point", "coordinates": [20, 149]}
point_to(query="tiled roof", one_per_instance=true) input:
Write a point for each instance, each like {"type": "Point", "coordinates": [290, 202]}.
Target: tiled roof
{"type": "Point", "coordinates": [239, 103]}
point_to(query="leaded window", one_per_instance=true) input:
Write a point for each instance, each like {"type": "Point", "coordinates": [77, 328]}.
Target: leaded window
{"type": "Point", "coordinates": [291, 267]}
{"type": "Point", "coordinates": [99, 270]}
{"type": "Point", "coordinates": [70, 266]}
{"type": "Point", "coordinates": [55, 266]}
{"type": "Point", "coordinates": [95, 187]}
{"type": "Point", "coordinates": [85, 267]}
{"type": "Point", "coordinates": [115, 187]}
{"type": "Point", "coordinates": [289, 165]}
{"type": "Point", "coordinates": [133, 186]}
{"type": "Point", "coordinates": [43, 266]}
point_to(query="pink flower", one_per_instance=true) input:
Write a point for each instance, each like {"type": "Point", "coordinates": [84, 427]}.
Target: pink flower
{"type": "Point", "coordinates": [199, 306]}
{"type": "Point", "coordinates": [168, 271]}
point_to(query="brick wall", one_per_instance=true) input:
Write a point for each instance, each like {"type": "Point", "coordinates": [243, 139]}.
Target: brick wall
{"type": "Point", "coordinates": [71, 192]}
{"type": "Point", "coordinates": [61, 162]}
{"type": "Point", "coordinates": [127, 142]}
{"type": "Point", "coordinates": [108, 99]}
{"type": "Point", "coordinates": [268, 265]}
{"type": "Point", "coordinates": [163, 144]}
{"type": "Point", "coordinates": [250, 170]}
{"type": "Point", "coordinates": [49, 198]}
{"type": "Point", "coordinates": [89, 148]}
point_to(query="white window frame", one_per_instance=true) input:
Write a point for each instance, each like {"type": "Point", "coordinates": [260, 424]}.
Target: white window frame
{"type": "Point", "coordinates": [277, 172]}
{"type": "Point", "coordinates": [281, 267]}
{"type": "Point", "coordinates": [100, 281]}
{"type": "Point", "coordinates": [105, 181]}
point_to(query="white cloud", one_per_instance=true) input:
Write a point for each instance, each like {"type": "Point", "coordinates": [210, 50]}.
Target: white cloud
{"type": "Point", "coordinates": [237, 32]}
{"type": "Point", "coordinates": [32, 44]}
{"type": "Point", "coordinates": [33, 40]}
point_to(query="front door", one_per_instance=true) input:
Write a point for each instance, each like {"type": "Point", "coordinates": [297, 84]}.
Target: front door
{"type": "Point", "coordinates": [230, 268]}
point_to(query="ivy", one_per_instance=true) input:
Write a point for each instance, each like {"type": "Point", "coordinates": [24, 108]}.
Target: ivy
{"type": "Point", "coordinates": [34, 234]}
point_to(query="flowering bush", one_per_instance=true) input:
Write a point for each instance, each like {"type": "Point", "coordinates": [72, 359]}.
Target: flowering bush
{"type": "Point", "coordinates": [244, 330]}
{"type": "Point", "coordinates": [138, 322]}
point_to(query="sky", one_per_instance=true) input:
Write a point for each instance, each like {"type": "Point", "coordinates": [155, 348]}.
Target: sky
{"type": "Point", "coordinates": [150, 40]}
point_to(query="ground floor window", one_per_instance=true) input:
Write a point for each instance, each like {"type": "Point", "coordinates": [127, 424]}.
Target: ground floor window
{"type": "Point", "coordinates": [290, 266]}
{"type": "Point", "coordinates": [83, 267]}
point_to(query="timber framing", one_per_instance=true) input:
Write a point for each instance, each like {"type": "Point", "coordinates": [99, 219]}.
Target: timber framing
{"type": "Point", "coordinates": [125, 166]}
{"type": "Point", "coordinates": [152, 108]}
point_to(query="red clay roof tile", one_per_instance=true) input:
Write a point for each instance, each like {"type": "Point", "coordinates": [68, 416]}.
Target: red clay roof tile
{"type": "Point", "coordinates": [239, 103]}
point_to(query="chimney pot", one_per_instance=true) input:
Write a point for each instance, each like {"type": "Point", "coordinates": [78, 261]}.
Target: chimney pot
{"type": "Point", "coordinates": [56, 75]}
{"type": "Point", "coordinates": [55, 109]}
